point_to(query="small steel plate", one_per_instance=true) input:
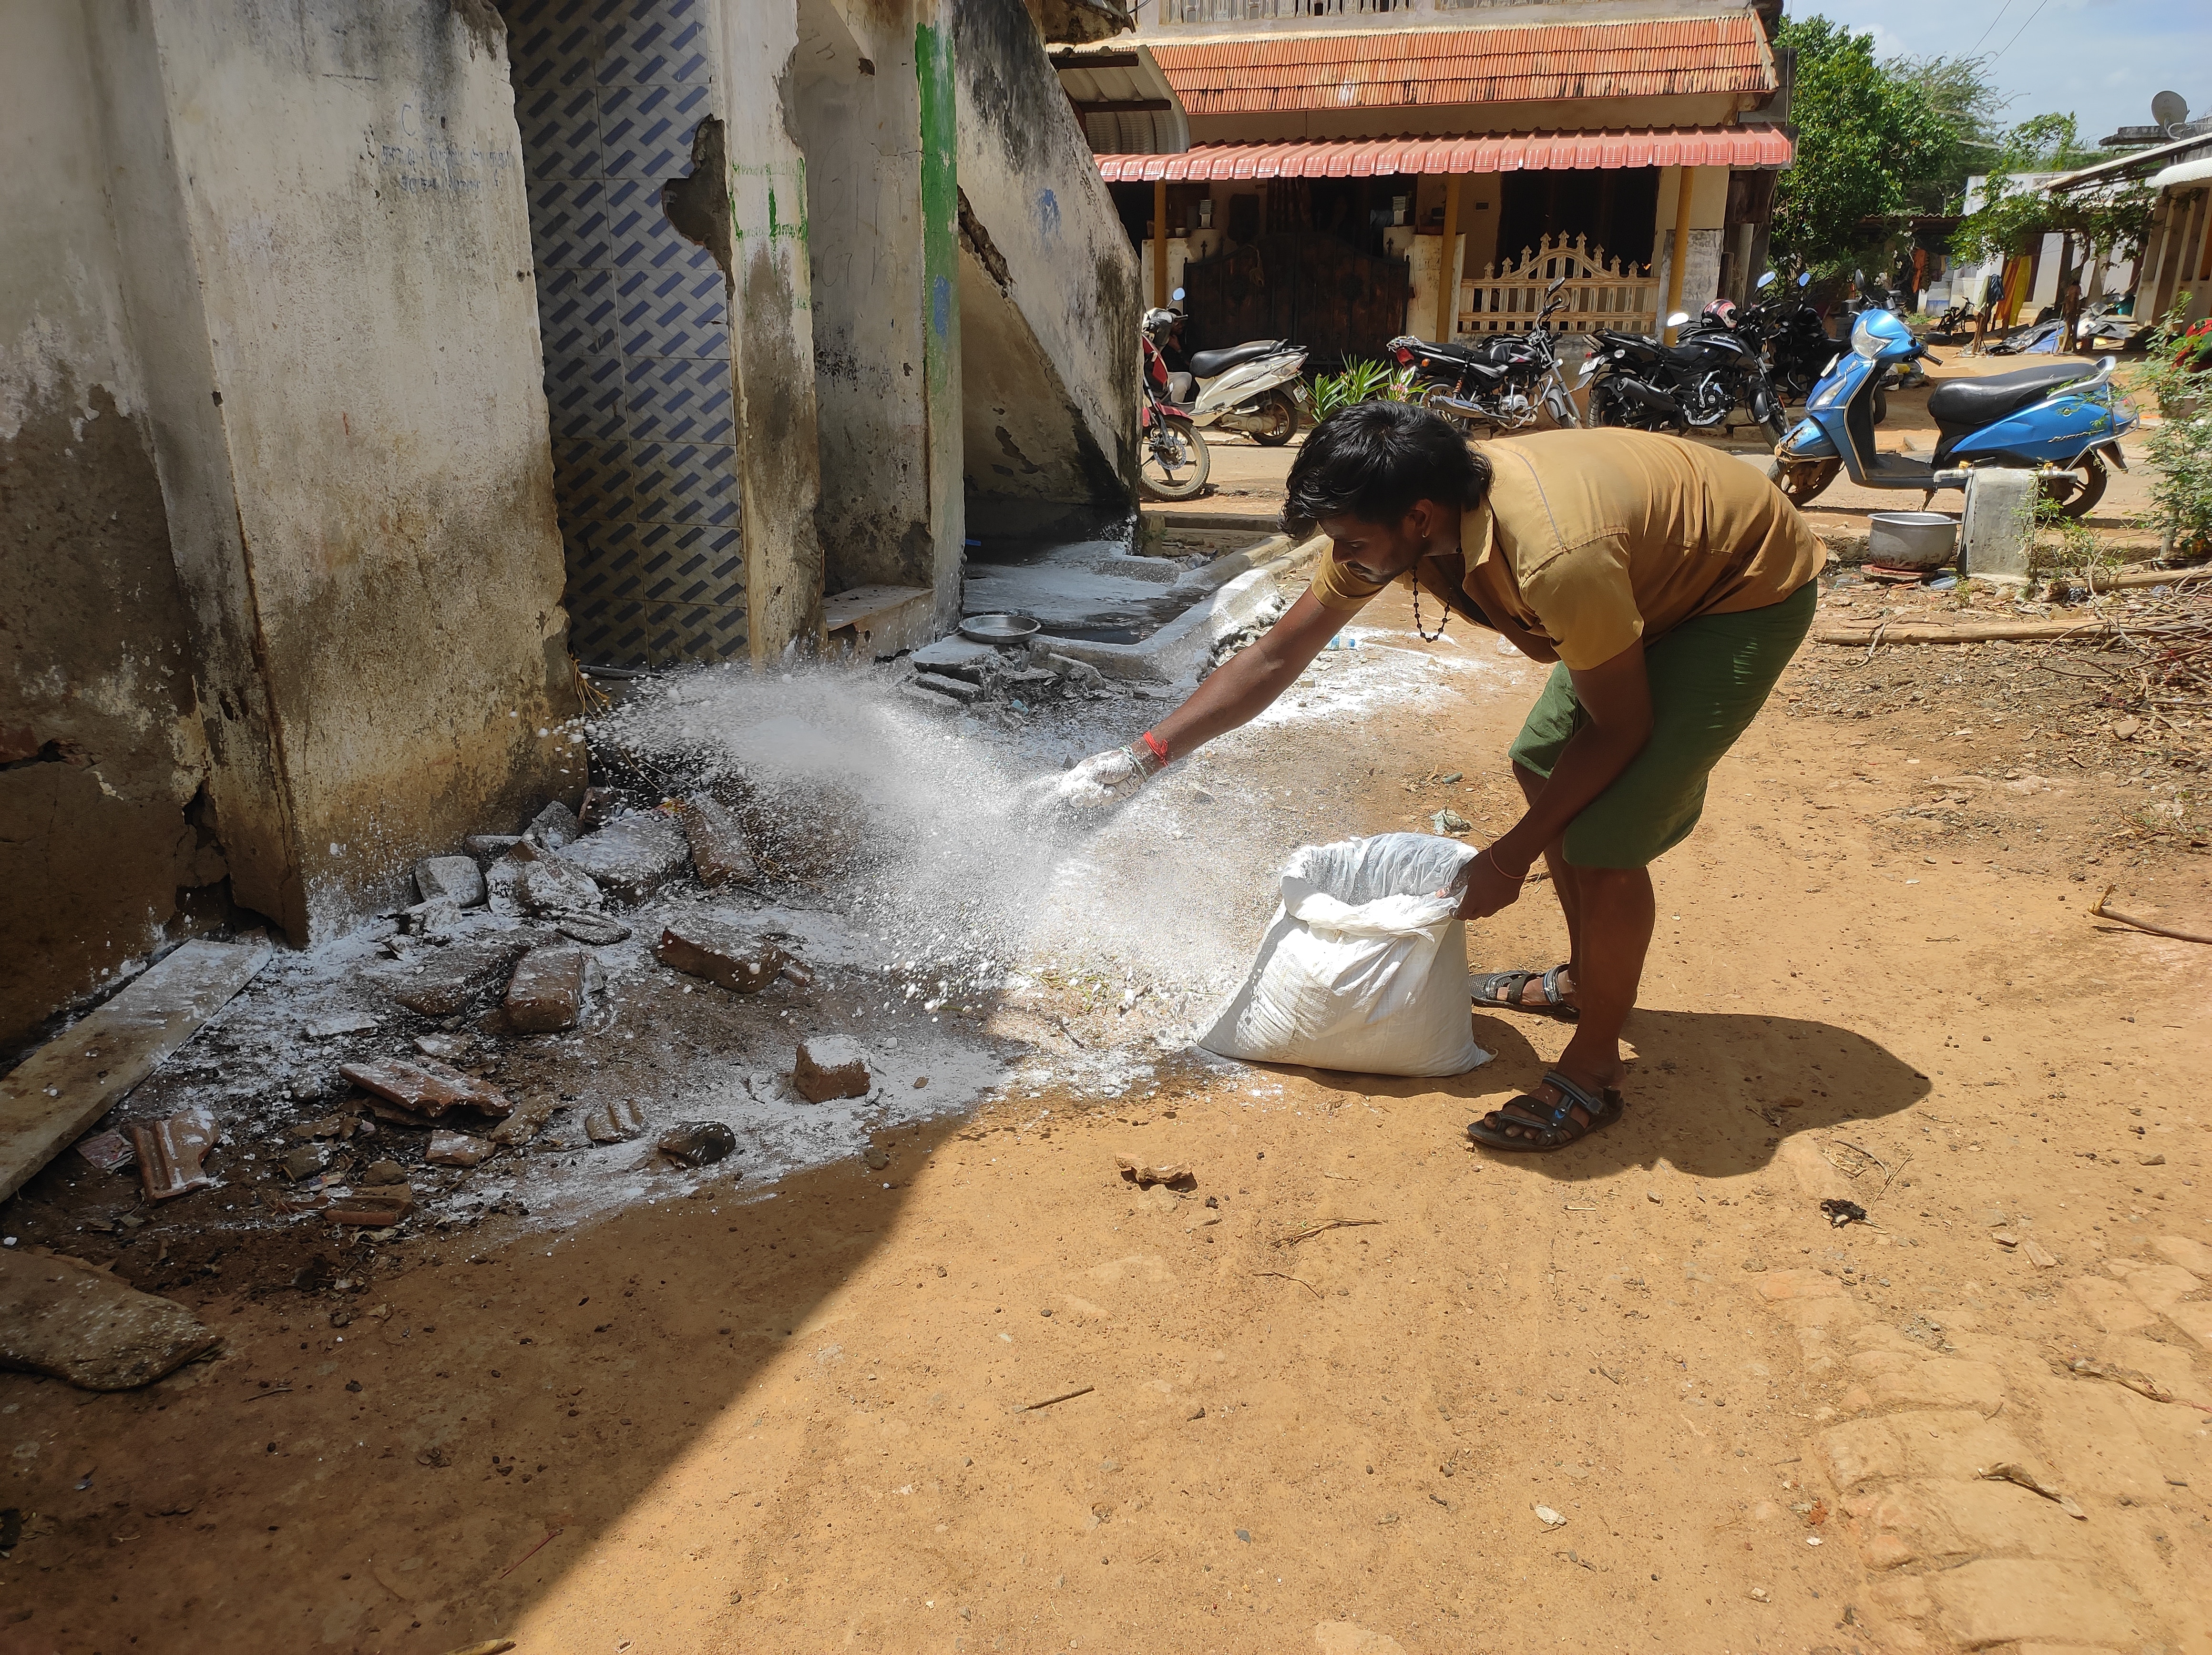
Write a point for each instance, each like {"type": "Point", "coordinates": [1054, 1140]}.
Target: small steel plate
{"type": "Point", "coordinates": [998, 628]}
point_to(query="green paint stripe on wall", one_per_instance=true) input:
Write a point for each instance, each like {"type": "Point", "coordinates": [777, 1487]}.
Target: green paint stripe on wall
{"type": "Point", "coordinates": [940, 203]}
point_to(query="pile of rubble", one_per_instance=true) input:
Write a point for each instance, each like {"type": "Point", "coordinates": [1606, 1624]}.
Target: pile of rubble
{"type": "Point", "coordinates": [503, 944]}
{"type": "Point", "coordinates": [954, 675]}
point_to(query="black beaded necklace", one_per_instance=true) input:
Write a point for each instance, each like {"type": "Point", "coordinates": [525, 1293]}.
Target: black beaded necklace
{"type": "Point", "coordinates": [1427, 637]}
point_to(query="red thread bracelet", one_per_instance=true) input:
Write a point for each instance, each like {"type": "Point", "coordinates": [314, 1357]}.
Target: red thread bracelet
{"type": "Point", "coordinates": [1159, 748]}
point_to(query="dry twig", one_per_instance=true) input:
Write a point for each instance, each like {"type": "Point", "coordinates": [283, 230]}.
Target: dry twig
{"type": "Point", "coordinates": [2101, 912]}
{"type": "Point", "coordinates": [1281, 1276]}
{"type": "Point", "coordinates": [1312, 1230]}
{"type": "Point", "coordinates": [1065, 1395]}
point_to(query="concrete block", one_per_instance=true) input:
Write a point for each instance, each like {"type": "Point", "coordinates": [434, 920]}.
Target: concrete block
{"type": "Point", "coordinates": [455, 879]}
{"type": "Point", "coordinates": [720, 854]}
{"type": "Point", "coordinates": [65, 1318]}
{"type": "Point", "coordinates": [530, 879]}
{"type": "Point", "coordinates": [832, 1067]}
{"type": "Point", "coordinates": [434, 918]}
{"type": "Point", "coordinates": [1998, 531]}
{"type": "Point", "coordinates": [721, 950]}
{"type": "Point", "coordinates": [930, 700]}
{"type": "Point", "coordinates": [958, 689]}
{"type": "Point", "coordinates": [961, 658]}
{"type": "Point", "coordinates": [548, 989]}
{"type": "Point", "coordinates": [633, 856]}
{"type": "Point", "coordinates": [488, 848]}
{"type": "Point", "coordinates": [438, 982]}
{"type": "Point", "coordinates": [553, 826]}
{"type": "Point", "coordinates": [873, 623]}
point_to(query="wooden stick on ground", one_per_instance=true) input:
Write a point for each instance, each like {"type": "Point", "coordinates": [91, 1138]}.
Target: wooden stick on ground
{"type": "Point", "coordinates": [1284, 1277]}
{"type": "Point", "coordinates": [2101, 912]}
{"type": "Point", "coordinates": [1065, 1395]}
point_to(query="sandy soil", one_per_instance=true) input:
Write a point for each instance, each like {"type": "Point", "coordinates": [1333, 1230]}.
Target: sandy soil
{"type": "Point", "coordinates": [818, 1416]}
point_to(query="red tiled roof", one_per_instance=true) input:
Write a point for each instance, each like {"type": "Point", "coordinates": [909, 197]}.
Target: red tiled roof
{"type": "Point", "coordinates": [1413, 67]}
{"type": "Point", "coordinates": [1502, 152]}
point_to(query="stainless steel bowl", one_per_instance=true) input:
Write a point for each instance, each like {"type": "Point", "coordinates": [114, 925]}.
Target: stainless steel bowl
{"type": "Point", "coordinates": [1911, 540]}
{"type": "Point", "coordinates": [999, 628]}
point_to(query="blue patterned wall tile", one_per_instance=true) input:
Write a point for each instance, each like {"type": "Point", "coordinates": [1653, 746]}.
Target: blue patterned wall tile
{"type": "Point", "coordinates": [577, 313]}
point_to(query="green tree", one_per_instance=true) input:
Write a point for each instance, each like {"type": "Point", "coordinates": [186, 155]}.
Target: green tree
{"type": "Point", "coordinates": [2109, 221]}
{"type": "Point", "coordinates": [1958, 89]}
{"type": "Point", "coordinates": [1863, 133]}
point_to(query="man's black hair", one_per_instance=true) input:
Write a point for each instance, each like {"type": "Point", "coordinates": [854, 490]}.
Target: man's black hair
{"type": "Point", "coordinates": [1375, 461]}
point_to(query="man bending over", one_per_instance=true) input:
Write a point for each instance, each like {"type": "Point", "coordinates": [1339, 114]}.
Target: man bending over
{"type": "Point", "coordinates": [1670, 584]}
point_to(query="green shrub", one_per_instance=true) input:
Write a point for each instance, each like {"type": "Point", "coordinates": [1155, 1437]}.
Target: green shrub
{"type": "Point", "coordinates": [2180, 448]}
{"type": "Point", "coordinates": [1362, 381]}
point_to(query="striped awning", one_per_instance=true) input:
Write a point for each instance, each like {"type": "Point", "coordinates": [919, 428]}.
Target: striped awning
{"type": "Point", "coordinates": [1498, 152]}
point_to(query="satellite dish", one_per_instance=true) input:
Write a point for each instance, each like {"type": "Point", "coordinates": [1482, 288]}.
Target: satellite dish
{"type": "Point", "coordinates": [2168, 110]}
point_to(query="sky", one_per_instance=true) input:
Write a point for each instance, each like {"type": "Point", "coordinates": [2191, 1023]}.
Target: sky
{"type": "Point", "coordinates": [2099, 60]}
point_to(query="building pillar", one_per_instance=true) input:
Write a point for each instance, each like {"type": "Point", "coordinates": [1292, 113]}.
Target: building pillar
{"type": "Point", "coordinates": [1447, 265]}
{"type": "Point", "coordinates": [779, 463]}
{"type": "Point", "coordinates": [1677, 261]}
{"type": "Point", "coordinates": [940, 257]}
{"type": "Point", "coordinates": [1159, 243]}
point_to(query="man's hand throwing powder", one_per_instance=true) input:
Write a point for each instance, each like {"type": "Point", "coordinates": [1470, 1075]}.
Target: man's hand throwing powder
{"type": "Point", "coordinates": [1670, 584]}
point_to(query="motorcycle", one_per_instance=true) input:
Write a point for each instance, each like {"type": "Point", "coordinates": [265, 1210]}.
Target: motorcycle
{"type": "Point", "coordinates": [1171, 460]}
{"type": "Point", "coordinates": [1500, 382]}
{"type": "Point", "coordinates": [1645, 385]}
{"type": "Point", "coordinates": [2062, 420]}
{"type": "Point", "coordinates": [1252, 388]}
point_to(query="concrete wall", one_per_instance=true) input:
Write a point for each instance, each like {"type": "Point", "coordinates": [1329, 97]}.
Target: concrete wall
{"type": "Point", "coordinates": [101, 751]}
{"type": "Point", "coordinates": [860, 131]}
{"type": "Point", "coordinates": [322, 218]}
{"type": "Point", "coordinates": [779, 465]}
{"type": "Point", "coordinates": [1048, 292]}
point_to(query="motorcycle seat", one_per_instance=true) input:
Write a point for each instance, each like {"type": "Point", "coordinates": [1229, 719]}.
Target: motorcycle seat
{"type": "Point", "coordinates": [1969, 402]}
{"type": "Point", "coordinates": [1208, 363]}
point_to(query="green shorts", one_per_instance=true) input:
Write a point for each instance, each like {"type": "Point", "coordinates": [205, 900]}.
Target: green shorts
{"type": "Point", "coordinates": [1709, 678]}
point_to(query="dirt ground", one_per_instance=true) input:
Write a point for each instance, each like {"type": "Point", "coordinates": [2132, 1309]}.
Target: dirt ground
{"type": "Point", "coordinates": [1316, 1401]}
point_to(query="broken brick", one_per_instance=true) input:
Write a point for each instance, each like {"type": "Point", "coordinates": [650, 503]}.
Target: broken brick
{"type": "Point", "coordinates": [614, 1121]}
{"type": "Point", "coordinates": [548, 989]}
{"type": "Point", "coordinates": [704, 945]}
{"type": "Point", "coordinates": [170, 1152]}
{"type": "Point", "coordinates": [456, 1150]}
{"type": "Point", "coordinates": [528, 1120]}
{"type": "Point", "coordinates": [426, 1088]}
{"type": "Point", "coordinates": [720, 854]}
{"type": "Point", "coordinates": [371, 1209]}
{"type": "Point", "coordinates": [834, 1067]}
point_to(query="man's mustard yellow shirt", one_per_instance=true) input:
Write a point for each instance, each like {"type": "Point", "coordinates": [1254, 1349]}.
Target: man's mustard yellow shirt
{"type": "Point", "coordinates": [1594, 539]}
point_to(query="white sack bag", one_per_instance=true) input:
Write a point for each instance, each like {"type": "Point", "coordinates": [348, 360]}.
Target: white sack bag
{"type": "Point", "coordinates": [1363, 968]}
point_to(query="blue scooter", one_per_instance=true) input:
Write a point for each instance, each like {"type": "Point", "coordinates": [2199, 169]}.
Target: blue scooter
{"type": "Point", "coordinates": [2063, 420]}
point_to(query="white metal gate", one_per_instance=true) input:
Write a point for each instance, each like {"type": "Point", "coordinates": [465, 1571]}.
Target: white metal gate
{"type": "Point", "coordinates": [1624, 299]}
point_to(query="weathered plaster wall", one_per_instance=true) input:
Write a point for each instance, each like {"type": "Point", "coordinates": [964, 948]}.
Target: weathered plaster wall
{"type": "Point", "coordinates": [1049, 289]}
{"type": "Point", "coordinates": [635, 318]}
{"type": "Point", "coordinates": [859, 127]}
{"type": "Point", "coordinates": [328, 264]}
{"type": "Point", "coordinates": [101, 752]}
{"type": "Point", "coordinates": [779, 467]}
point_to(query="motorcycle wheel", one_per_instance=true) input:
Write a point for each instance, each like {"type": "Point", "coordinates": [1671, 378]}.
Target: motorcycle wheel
{"type": "Point", "coordinates": [1176, 462]}
{"type": "Point", "coordinates": [1880, 404]}
{"type": "Point", "coordinates": [1803, 480]}
{"type": "Point", "coordinates": [1275, 420]}
{"type": "Point", "coordinates": [2076, 492]}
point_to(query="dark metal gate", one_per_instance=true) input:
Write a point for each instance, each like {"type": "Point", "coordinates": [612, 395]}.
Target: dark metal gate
{"type": "Point", "coordinates": [1306, 286]}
